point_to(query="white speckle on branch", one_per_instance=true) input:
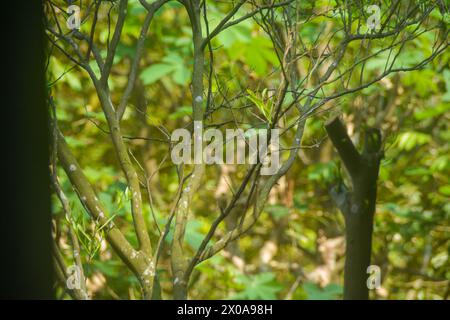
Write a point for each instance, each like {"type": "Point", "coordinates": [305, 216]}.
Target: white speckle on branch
{"type": "Point", "coordinates": [150, 270]}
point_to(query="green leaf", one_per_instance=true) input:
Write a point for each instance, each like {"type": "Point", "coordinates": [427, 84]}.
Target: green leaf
{"type": "Point", "coordinates": [446, 75]}
{"type": "Point", "coordinates": [109, 268]}
{"type": "Point", "coordinates": [432, 111]}
{"type": "Point", "coordinates": [330, 292]}
{"type": "Point", "coordinates": [181, 112]}
{"type": "Point", "coordinates": [445, 190]}
{"type": "Point", "coordinates": [259, 286]}
{"type": "Point", "coordinates": [255, 60]}
{"type": "Point", "coordinates": [408, 140]}
{"type": "Point", "coordinates": [193, 236]}
{"type": "Point", "coordinates": [422, 83]}
{"type": "Point", "coordinates": [238, 34]}
{"type": "Point", "coordinates": [417, 171]}
{"type": "Point", "coordinates": [439, 260]}
{"type": "Point", "coordinates": [266, 109]}
{"type": "Point", "coordinates": [181, 75]}
{"type": "Point", "coordinates": [277, 211]}
{"type": "Point", "coordinates": [155, 72]}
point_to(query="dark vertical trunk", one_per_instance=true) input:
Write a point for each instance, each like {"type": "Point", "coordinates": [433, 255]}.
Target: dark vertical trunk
{"type": "Point", "coordinates": [358, 235]}
{"type": "Point", "coordinates": [25, 221]}
{"type": "Point", "coordinates": [357, 205]}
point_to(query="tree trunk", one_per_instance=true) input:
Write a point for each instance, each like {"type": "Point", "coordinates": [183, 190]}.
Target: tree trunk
{"type": "Point", "coordinates": [26, 270]}
{"type": "Point", "coordinates": [357, 205]}
{"type": "Point", "coordinates": [358, 236]}
{"type": "Point", "coordinates": [180, 290]}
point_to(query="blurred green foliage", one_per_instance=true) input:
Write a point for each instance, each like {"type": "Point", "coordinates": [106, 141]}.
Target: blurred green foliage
{"type": "Point", "coordinates": [412, 231]}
